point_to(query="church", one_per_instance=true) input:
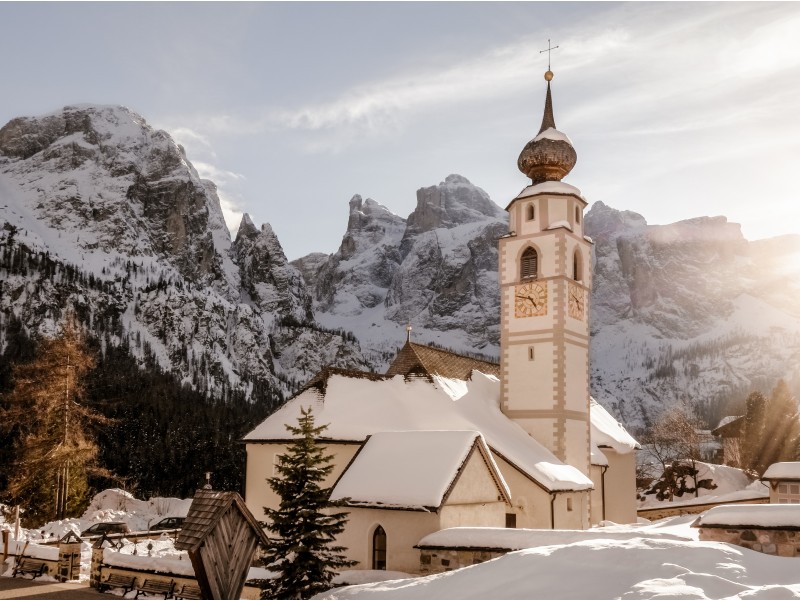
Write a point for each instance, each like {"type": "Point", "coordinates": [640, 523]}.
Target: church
{"type": "Point", "coordinates": [443, 440]}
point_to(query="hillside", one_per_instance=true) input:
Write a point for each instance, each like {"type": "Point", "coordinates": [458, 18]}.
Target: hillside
{"type": "Point", "coordinates": [105, 216]}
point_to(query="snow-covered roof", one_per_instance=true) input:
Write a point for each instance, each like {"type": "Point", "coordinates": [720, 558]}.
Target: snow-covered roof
{"type": "Point", "coordinates": [356, 407]}
{"type": "Point", "coordinates": [768, 516]}
{"type": "Point", "coordinates": [608, 432]}
{"type": "Point", "coordinates": [554, 134]}
{"type": "Point", "coordinates": [411, 469]}
{"type": "Point", "coordinates": [487, 538]}
{"type": "Point", "coordinates": [783, 470]}
{"type": "Point", "coordinates": [597, 457]}
{"type": "Point", "coordinates": [725, 420]}
{"type": "Point", "coordinates": [550, 187]}
{"type": "Point", "coordinates": [557, 224]}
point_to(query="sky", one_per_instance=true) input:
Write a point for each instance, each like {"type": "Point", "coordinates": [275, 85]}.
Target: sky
{"type": "Point", "coordinates": [676, 110]}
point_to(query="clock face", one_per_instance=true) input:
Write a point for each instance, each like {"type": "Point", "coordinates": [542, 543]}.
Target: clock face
{"type": "Point", "coordinates": [530, 300]}
{"type": "Point", "coordinates": [577, 303]}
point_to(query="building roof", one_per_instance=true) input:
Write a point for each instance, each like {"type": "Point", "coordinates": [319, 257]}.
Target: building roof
{"type": "Point", "coordinates": [785, 471]}
{"type": "Point", "coordinates": [730, 426]}
{"type": "Point", "coordinates": [419, 359]}
{"type": "Point", "coordinates": [755, 516]}
{"type": "Point", "coordinates": [208, 507]}
{"type": "Point", "coordinates": [607, 432]}
{"type": "Point", "coordinates": [413, 470]}
{"type": "Point", "coordinates": [356, 407]}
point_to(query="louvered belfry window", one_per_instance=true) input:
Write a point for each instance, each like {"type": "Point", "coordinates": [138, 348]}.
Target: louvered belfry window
{"type": "Point", "coordinates": [529, 265]}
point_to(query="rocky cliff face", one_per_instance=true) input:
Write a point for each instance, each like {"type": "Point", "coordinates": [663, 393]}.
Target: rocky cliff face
{"type": "Point", "coordinates": [102, 215]}
{"type": "Point", "coordinates": [688, 313]}
{"type": "Point", "coordinates": [105, 216]}
{"type": "Point", "coordinates": [436, 270]}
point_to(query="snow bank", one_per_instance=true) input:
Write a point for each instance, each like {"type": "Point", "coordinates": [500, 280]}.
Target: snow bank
{"type": "Point", "coordinates": [603, 569]}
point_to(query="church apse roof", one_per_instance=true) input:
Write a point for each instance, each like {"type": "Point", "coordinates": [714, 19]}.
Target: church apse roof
{"type": "Point", "coordinates": [426, 360]}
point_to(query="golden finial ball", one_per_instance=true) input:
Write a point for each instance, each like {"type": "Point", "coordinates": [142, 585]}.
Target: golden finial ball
{"type": "Point", "coordinates": [548, 76]}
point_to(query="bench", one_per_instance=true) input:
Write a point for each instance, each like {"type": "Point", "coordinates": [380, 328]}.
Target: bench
{"type": "Point", "coordinates": [115, 580]}
{"type": "Point", "coordinates": [155, 586]}
{"type": "Point", "coordinates": [189, 592]}
{"type": "Point", "coordinates": [27, 565]}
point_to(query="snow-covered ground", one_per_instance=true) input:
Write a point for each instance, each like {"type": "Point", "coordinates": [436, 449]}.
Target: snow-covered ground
{"type": "Point", "coordinates": [634, 569]}
{"type": "Point", "coordinates": [644, 561]}
{"type": "Point", "coordinates": [731, 484]}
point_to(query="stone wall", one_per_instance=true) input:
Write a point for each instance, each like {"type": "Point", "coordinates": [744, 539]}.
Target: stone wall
{"type": "Point", "coordinates": [778, 542]}
{"type": "Point", "coordinates": [439, 560]}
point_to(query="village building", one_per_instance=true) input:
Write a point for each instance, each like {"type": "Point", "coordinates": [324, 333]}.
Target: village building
{"type": "Point", "coordinates": [443, 440]}
{"type": "Point", "coordinates": [784, 482]}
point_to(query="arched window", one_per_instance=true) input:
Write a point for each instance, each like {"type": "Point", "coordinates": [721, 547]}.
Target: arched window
{"type": "Point", "coordinates": [577, 271]}
{"type": "Point", "coordinates": [379, 549]}
{"type": "Point", "coordinates": [531, 212]}
{"type": "Point", "coordinates": [529, 265]}
{"type": "Point", "coordinates": [577, 214]}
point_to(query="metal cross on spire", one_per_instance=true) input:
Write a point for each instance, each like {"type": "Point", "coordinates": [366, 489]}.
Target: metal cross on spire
{"type": "Point", "coordinates": [548, 50]}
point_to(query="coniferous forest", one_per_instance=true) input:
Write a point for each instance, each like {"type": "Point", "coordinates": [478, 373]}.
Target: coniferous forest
{"type": "Point", "coordinates": [163, 436]}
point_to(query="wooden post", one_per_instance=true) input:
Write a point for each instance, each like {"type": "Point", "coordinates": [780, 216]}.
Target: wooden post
{"type": "Point", "coordinates": [6, 534]}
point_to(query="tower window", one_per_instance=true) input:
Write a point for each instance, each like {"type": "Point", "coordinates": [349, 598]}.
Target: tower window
{"type": "Point", "coordinates": [569, 503]}
{"type": "Point", "coordinates": [531, 353]}
{"type": "Point", "coordinates": [529, 265]}
{"type": "Point", "coordinates": [511, 521]}
{"type": "Point", "coordinates": [577, 214]}
{"type": "Point", "coordinates": [577, 270]}
{"type": "Point", "coordinates": [379, 549]}
{"type": "Point", "coordinates": [531, 212]}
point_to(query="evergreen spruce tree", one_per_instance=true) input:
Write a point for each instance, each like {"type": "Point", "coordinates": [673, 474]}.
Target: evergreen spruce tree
{"type": "Point", "coordinates": [753, 432]}
{"type": "Point", "coordinates": [306, 522]}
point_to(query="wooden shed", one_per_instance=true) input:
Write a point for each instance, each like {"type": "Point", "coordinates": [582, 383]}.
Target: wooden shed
{"type": "Point", "coordinates": [221, 536]}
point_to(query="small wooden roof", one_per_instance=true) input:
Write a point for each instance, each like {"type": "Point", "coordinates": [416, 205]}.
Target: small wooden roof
{"type": "Point", "coordinates": [729, 427]}
{"type": "Point", "coordinates": [416, 358]}
{"type": "Point", "coordinates": [206, 510]}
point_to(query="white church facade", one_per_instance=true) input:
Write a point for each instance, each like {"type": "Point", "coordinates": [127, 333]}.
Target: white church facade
{"type": "Point", "coordinates": [443, 440]}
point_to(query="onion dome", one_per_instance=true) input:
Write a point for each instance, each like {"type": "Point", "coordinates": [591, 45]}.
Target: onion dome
{"type": "Point", "coordinates": [550, 155]}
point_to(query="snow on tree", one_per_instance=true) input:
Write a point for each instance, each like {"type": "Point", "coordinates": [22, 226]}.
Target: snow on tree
{"type": "Point", "coordinates": [306, 523]}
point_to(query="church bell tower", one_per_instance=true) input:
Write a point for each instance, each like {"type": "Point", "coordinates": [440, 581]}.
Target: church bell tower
{"type": "Point", "coordinates": [545, 281]}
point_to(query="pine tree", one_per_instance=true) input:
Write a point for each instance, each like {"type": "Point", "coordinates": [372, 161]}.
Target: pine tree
{"type": "Point", "coordinates": [305, 524]}
{"type": "Point", "coordinates": [54, 446]}
{"type": "Point", "coordinates": [771, 429]}
{"type": "Point", "coordinates": [753, 432]}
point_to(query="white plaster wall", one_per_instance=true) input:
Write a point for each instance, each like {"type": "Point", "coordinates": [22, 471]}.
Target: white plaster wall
{"type": "Point", "coordinates": [531, 386]}
{"type": "Point", "coordinates": [403, 530]}
{"type": "Point", "coordinates": [488, 514]}
{"type": "Point", "coordinates": [577, 434]}
{"type": "Point", "coordinates": [529, 502]}
{"type": "Point", "coordinates": [260, 461]}
{"type": "Point", "coordinates": [577, 396]}
{"type": "Point", "coordinates": [620, 486]}
{"type": "Point", "coordinates": [578, 517]}
{"type": "Point", "coordinates": [475, 484]}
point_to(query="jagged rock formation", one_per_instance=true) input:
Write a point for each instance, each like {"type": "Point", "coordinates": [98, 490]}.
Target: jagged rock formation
{"type": "Point", "coordinates": [105, 216]}
{"type": "Point", "coordinates": [688, 313]}
{"type": "Point", "coordinates": [436, 270]}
